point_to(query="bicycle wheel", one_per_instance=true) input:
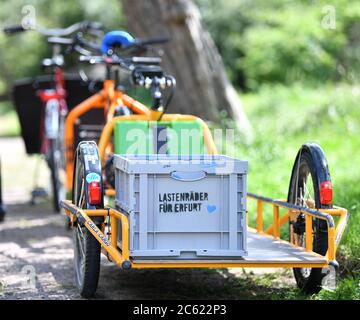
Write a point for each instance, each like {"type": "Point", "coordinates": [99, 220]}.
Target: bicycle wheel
{"type": "Point", "coordinates": [87, 249]}
{"type": "Point", "coordinates": [57, 172]}
{"type": "Point", "coordinates": [309, 172]}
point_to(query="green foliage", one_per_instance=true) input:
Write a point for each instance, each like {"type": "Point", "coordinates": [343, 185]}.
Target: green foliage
{"type": "Point", "coordinates": [347, 289]}
{"type": "Point", "coordinates": [284, 41]}
{"type": "Point", "coordinates": [21, 54]}
{"type": "Point", "coordinates": [9, 122]}
{"type": "Point", "coordinates": [283, 119]}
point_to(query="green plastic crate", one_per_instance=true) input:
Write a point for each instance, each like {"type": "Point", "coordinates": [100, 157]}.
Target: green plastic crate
{"type": "Point", "coordinates": [191, 140]}
{"type": "Point", "coordinates": [132, 137]}
{"type": "Point", "coordinates": [137, 137]}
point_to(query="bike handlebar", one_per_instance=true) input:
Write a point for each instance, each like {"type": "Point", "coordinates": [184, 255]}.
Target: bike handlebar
{"type": "Point", "coordinates": [60, 40]}
{"type": "Point", "coordinates": [150, 41]}
{"type": "Point", "coordinates": [79, 26]}
{"type": "Point", "coordinates": [83, 43]}
{"type": "Point", "coordinates": [143, 45]}
{"type": "Point", "coordinates": [14, 29]}
{"type": "Point", "coordinates": [124, 62]}
{"type": "Point", "coordinates": [83, 25]}
{"type": "Point", "coordinates": [87, 48]}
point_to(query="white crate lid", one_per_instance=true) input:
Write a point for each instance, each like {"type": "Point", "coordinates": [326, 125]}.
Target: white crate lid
{"type": "Point", "coordinates": [161, 163]}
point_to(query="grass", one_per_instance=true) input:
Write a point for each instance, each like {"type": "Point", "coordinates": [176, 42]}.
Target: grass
{"type": "Point", "coordinates": [283, 119]}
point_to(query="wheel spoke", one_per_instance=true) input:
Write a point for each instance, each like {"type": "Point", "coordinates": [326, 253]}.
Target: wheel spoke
{"type": "Point", "coordinates": [81, 239]}
{"type": "Point", "coordinates": [309, 194]}
{"type": "Point", "coordinates": [304, 198]}
{"type": "Point", "coordinates": [81, 197]}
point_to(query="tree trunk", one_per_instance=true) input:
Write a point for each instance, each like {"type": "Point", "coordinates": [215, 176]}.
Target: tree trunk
{"type": "Point", "coordinates": [203, 88]}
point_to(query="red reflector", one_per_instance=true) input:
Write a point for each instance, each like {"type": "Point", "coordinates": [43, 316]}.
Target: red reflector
{"type": "Point", "coordinates": [326, 193]}
{"type": "Point", "coordinates": [94, 193]}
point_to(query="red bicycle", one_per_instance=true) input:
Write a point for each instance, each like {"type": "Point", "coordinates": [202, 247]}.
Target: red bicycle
{"type": "Point", "coordinates": [54, 98]}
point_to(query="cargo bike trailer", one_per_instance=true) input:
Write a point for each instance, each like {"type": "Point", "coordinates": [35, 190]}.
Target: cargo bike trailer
{"type": "Point", "coordinates": [186, 211]}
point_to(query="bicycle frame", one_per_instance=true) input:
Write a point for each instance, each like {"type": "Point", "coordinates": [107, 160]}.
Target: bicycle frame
{"type": "Point", "coordinates": [55, 107]}
{"type": "Point", "coordinates": [52, 126]}
{"type": "Point", "coordinates": [107, 99]}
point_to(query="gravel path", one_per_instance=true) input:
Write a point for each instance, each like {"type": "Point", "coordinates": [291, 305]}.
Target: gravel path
{"type": "Point", "coordinates": [36, 254]}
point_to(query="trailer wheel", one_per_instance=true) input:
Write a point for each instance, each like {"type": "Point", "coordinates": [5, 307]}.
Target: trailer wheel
{"type": "Point", "coordinates": [87, 248]}
{"type": "Point", "coordinates": [309, 171]}
{"type": "Point", "coordinates": [86, 261]}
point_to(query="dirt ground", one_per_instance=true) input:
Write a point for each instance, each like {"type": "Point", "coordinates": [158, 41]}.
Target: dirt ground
{"type": "Point", "coordinates": [36, 253]}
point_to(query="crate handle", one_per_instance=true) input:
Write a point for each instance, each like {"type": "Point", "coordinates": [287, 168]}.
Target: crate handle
{"type": "Point", "coordinates": [188, 175]}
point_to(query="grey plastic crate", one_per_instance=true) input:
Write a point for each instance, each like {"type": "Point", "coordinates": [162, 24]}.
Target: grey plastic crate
{"type": "Point", "coordinates": [188, 208]}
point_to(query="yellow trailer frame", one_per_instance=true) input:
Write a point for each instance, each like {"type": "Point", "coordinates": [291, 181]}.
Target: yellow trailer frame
{"type": "Point", "coordinates": [121, 256]}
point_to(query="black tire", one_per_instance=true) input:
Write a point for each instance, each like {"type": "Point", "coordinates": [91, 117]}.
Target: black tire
{"type": "Point", "coordinates": [310, 169]}
{"type": "Point", "coordinates": [56, 166]}
{"type": "Point", "coordinates": [2, 213]}
{"type": "Point", "coordinates": [86, 261]}
{"type": "Point", "coordinates": [87, 248]}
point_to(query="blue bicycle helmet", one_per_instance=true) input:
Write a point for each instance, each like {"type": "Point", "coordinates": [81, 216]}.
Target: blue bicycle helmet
{"type": "Point", "coordinates": [116, 37]}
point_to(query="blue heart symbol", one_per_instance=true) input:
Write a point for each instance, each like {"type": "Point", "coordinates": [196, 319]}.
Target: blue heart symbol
{"type": "Point", "coordinates": [211, 208]}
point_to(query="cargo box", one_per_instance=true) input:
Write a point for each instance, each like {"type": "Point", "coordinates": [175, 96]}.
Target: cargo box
{"type": "Point", "coordinates": [183, 207]}
{"type": "Point", "coordinates": [158, 137]}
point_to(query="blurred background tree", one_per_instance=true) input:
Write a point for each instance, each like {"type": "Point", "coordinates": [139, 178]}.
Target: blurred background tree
{"type": "Point", "coordinates": [260, 41]}
{"type": "Point", "coordinates": [203, 87]}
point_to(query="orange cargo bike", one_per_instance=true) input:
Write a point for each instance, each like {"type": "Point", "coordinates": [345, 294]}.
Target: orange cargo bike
{"type": "Point", "coordinates": [143, 210]}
